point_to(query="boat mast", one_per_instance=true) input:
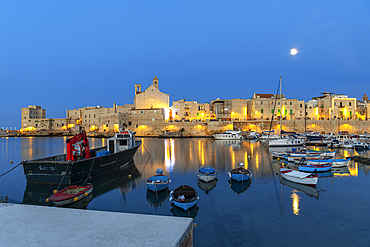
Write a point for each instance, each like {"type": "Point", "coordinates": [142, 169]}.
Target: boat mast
{"type": "Point", "coordinates": [281, 113]}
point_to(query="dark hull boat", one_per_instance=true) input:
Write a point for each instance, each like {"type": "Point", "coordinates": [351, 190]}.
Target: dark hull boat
{"type": "Point", "coordinates": [78, 166]}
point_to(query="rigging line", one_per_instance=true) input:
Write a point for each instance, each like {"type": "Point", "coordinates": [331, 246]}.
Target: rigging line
{"type": "Point", "coordinates": [273, 176]}
{"type": "Point", "coordinates": [344, 197]}
{"type": "Point", "coordinates": [272, 118]}
{"type": "Point", "coordinates": [11, 169]}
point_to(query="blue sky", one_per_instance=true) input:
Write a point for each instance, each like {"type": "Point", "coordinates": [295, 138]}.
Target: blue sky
{"type": "Point", "coordinates": [70, 54]}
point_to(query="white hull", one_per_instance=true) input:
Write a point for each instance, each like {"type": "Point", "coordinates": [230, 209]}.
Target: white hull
{"type": "Point", "coordinates": [227, 137]}
{"type": "Point", "coordinates": [207, 178]}
{"type": "Point", "coordinates": [335, 164]}
{"type": "Point", "coordinates": [299, 177]}
{"type": "Point", "coordinates": [287, 142]}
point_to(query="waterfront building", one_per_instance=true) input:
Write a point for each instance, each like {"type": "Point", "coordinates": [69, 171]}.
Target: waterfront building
{"type": "Point", "coordinates": [230, 109]}
{"type": "Point", "coordinates": [264, 106]}
{"type": "Point", "coordinates": [333, 106]}
{"type": "Point", "coordinates": [190, 110]}
{"type": "Point", "coordinates": [30, 113]}
{"type": "Point", "coordinates": [99, 118]}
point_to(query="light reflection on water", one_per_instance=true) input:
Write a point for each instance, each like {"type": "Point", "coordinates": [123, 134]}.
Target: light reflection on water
{"type": "Point", "coordinates": [225, 208]}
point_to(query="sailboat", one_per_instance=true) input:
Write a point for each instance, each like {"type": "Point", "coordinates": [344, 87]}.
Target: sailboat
{"type": "Point", "coordinates": [285, 142]}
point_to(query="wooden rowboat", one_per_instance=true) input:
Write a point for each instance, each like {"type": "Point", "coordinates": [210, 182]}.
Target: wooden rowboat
{"type": "Point", "coordinates": [70, 194]}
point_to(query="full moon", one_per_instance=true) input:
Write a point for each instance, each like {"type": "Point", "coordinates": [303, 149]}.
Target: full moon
{"type": "Point", "coordinates": [293, 51]}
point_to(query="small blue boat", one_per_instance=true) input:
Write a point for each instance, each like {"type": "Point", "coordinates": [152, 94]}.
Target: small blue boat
{"type": "Point", "coordinates": [314, 168]}
{"type": "Point", "coordinates": [207, 173]}
{"type": "Point", "coordinates": [240, 174]}
{"type": "Point", "coordinates": [157, 182]}
{"type": "Point", "coordinates": [184, 197]}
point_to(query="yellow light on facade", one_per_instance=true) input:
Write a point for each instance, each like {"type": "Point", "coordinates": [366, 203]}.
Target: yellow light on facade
{"type": "Point", "coordinates": [245, 111]}
{"type": "Point", "coordinates": [143, 126]}
{"type": "Point", "coordinates": [255, 112]}
{"type": "Point", "coordinates": [345, 112]}
{"type": "Point", "coordinates": [116, 127]}
{"type": "Point", "coordinates": [317, 111]}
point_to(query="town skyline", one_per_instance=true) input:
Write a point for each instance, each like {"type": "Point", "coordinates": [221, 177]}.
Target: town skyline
{"type": "Point", "coordinates": [62, 57]}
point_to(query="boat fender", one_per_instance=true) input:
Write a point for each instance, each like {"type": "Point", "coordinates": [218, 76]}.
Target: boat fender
{"type": "Point", "coordinates": [129, 176]}
{"type": "Point", "coordinates": [171, 199]}
{"type": "Point", "coordinates": [85, 194]}
{"type": "Point", "coordinates": [169, 181]}
{"type": "Point", "coordinates": [11, 162]}
{"type": "Point", "coordinates": [229, 174]}
{"type": "Point", "coordinates": [55, 191]}
{"type": "Point", "coordinates": [75, 199]}
{"type": "Point", "coordinates": [47, 200]}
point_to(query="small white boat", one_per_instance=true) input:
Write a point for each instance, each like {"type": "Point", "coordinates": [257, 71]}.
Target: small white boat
{"type": "Point", "coordinates": [207, 173]}
{"type": "Point", "coordinates": [299, 177]}
{"type": "Point", "coordinates": [287, 142]}
{"type": "Point", "coordinates": [229, 135]}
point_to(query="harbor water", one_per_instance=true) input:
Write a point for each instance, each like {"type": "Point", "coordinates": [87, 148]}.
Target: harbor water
{"type": "Point", "coordinates": [262, 212]}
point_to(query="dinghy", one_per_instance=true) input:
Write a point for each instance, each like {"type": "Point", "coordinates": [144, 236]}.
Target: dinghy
{"type": "Point", "coordinates": [207, 173]}
{"type": "Point", "coordinates": [299, 177]}
{"type": "Point", "coordinates": [315, 168]}
{"type": "Point", "coordinates": [157, 182]}
{"type": "Point", "coordinates": [70, 194]}
{"type": "Point", "coordinates": [184, 197]}
{"type": "Point", "coordinates": [240, 174]}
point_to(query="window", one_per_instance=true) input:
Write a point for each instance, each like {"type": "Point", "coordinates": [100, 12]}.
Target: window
{"type": "Point", "coordinates": [153, 119]}
{"type": "Point", "coordinates": [156, 111]}
{"type": "Point", "coordinates": [286, 112]}
{"type": "Point", "coordinates": [300, 105]}
{"type": "Point", "coordinates": [291, 112]}
{"type": "Point", "coordinates": [350, 103]}
{"type": "Point", "coordinates": [261, 110]}
{"type": "Point", "coordinates": [261, 102]}
{"type": "Point", "coordinates": [141, 111]}
{"type": "Point", "coordinates": [198, 114]}
{"type": "Point", "coordinates": [285, 103]}
{"type": "Point", "coordinates": [129, 123]}
{"type": "Point", "coordinates": [278, 110]}
{"type": "Point", "coordinates": [350, 112]}
{"type": "Point", "coordinates": [340, 104]}
{"type": "Point", "coordinates": [290, 103]}
{"type": "Point", "coordinates": [272, 110]}
{"type": "Point", "coordinates": [94, 115]}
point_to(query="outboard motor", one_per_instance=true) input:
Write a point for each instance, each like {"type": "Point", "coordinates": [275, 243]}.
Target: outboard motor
{"type": "Point", "coordinates": [159, 171]}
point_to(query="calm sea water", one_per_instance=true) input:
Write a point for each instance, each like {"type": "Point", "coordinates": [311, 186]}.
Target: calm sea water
{"type": "Point", "coordinates": [264, 212]}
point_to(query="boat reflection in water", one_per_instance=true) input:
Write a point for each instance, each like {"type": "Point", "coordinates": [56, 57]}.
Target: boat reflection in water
{"type": "Point", "coordinates": [207, 186]}
{"type": "Point", "coordinates": [232, 143]}
{"type": "Point", "coordinates": [36, 194]}
{"type": "Point", "coordinates": [309, 190]}
{"type": "Point", "coordinates": [239, 187]}
{"type": "Point", "coordinates": [157, 198]}
{"type": "Point", "coordinates": [179, 212]}
{"type": "Point", "coordinates": [341, 172]}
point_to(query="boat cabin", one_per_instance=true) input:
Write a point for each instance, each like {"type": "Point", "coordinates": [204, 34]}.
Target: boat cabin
{"type": "Point", "coordinates": [122, 140]}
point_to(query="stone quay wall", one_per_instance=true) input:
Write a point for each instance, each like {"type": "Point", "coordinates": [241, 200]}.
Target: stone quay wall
{"type": "Point", "coordinates": [207, 128]}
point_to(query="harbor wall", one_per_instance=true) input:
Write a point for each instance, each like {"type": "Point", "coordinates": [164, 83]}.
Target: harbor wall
{"type": "Point", "coordinates": [208, 128]}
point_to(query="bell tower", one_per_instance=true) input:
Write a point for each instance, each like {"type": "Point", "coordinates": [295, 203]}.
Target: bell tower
{"type": "Point", "coordinates": [155, 82]}
{"type": "Point", "coordinates": [365, 99]}
{"type": "Point", "coordinates": [137, 88]}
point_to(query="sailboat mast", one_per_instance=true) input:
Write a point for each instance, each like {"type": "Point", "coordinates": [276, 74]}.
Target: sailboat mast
{"type": "Point", "coordinates": [281, 113]}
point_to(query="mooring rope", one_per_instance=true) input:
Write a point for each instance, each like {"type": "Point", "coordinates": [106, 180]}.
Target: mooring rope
{"type": "Point", "coordinates": [344, 197]}
{"type": "Point", "coordinates": [11, 169]}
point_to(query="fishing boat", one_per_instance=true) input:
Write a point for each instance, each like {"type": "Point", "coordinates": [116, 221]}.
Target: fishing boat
{"type": "Point", "coordinates": [157, 182]}
{"type": "Point", "coordinates": [207, 186]}
{"type": "Point", "coordinates": [81, 163]}
{"type": "Point", "coordinates": [315, 168]}
{"type": "Point", "coordinates": [207, 173]}
{"type": "Point", "coordinates": [184, 197]}
{"type": "Point", "coordinates": [70, 194]}
{"type": "Point", "coordinates": [299, 177]}
{"type": "Point", "coordinates": [240, 174]}
{"type": "Point", "coordinates": [229, 135]}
